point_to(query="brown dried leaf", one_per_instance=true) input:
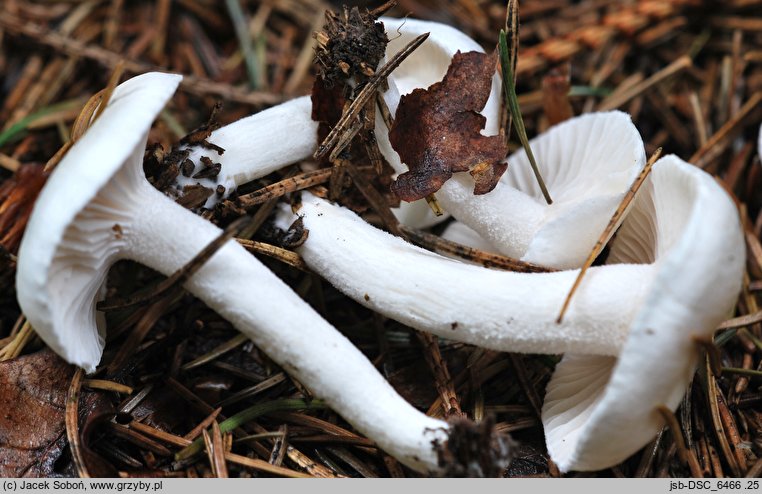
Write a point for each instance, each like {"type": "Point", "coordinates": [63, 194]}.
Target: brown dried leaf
{"type": "Point", "coordinates": [328, 102]}
{"type": "Point", "coordinates": [17, 196]}
{"type": "Point", "coordinates": [436, 131]}
{"type": "Point", "coordinates": [33, 400]}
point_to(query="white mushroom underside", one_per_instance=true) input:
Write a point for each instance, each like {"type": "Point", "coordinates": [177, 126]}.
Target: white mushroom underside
{"type": "Point", "coordinates": [600, 410]}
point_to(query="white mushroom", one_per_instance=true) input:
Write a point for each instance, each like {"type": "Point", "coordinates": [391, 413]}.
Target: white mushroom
{"type": "Point", "coordinates": [674, 272]}
{"type": "Point", "coordinates": [98, 208]}
{"type": "Point", "coordinates": [588, 162]}
{"type": "Point", "coordinates": [600, 410]}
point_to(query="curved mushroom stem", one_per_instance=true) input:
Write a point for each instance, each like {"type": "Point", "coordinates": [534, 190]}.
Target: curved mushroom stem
{"type": "Point", "coordinates": [499, 310]}
{"type": "Point", "coordinates": [165, 236]}
{"type": "Point", "coordinates": [257, 145]}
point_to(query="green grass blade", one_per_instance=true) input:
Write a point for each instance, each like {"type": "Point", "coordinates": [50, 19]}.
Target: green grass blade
{"type": "Point", "coordinates": [20, 126]}
{"type": "Point", "coordinates": [244, 40]}
{"type": "Point", "coordinates": [248, 415]}
{"type": "Point", "coordinates": [513, 105]}
{"type": "Point", "coordinates": [589, 91]}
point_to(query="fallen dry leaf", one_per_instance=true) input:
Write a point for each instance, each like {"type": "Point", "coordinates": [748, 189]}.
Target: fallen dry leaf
{"type": "Point", "coordinates": [33, 400]}
{"type": "Point", "coordinates": [18, 194]}
{"type": "Point", "coordinates": [436, 131]}
{"type": "Point", "coordinates": [328, 102]}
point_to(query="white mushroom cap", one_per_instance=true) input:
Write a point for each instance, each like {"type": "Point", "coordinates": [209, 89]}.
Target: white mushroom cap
{"type": "Point", "coordinates": [61, 269]}
{"type": "Point", "coordinates": [600, 410]}
{"type": "Point", "coordinates": [675, 273]}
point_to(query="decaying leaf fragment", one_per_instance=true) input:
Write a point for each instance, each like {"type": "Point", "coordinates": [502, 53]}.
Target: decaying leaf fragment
{"type": "Point", "coordinates": [33, 400]}
{"type": "Point", "coordinates": [436, 131]}
{"type": "Point", "coordinates": [17, 195]}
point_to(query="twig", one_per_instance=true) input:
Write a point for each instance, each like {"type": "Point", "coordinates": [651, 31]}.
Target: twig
{"type": "Point", "coordinates": [609, 230]}
{"type": "Point", "coordinates": [72, 424]}
{"type": "Point", "coordinates": [486, 259]}
{"type": "Point", "coordinates": [686, 455]}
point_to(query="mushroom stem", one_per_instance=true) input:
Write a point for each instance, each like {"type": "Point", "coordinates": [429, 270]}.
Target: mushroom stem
{"type": "Point", "coordinates": [500, 310]}
{"type": "Point", "coordinates": [165, 236]}
{"type": "Point", "coordinates": [257, 145]}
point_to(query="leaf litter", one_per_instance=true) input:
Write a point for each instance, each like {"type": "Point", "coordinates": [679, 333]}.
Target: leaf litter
{"type": "Point", "coordinates": [605, 48]}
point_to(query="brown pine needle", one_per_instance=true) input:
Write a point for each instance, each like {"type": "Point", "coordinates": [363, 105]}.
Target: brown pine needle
{"type": "Point", "coordinates": [113, 81]}
{"type": "Point", "coordinates": [487, 259]}
{"type": "Point", "coordinates": [159, 434]}
{"type": "Point", "coordinates": [220, 467]}
{"type": "Point", "coordinates": [14, 348]}
{"type": "Point", "coordinates": [225, 347]}
{"type": "Point", "coordinates": [442, 380]}
{"type": "Point", "coordinates": [286, 256]}
{"type": "Point", "coordinates": [263, 466]}
{"type": "Point", "coordinates": [105, 385]}
{"type": "Point", "coordinates": [685, 454]}
{"type": "Point", "coordinates": [196, 431]}
{"type": "Point", "coordinates": [72, 425]}
{"type": "Point", "coordinates": [609, 230]}
{"type": "Point", "coordinates": [741, 321]}
{"type": "Point", "coordinates": [617, 100]}
{"type": "Point", "coordinates": [285, 186]}
{"type": "Point", "coordinates": [721, 139]}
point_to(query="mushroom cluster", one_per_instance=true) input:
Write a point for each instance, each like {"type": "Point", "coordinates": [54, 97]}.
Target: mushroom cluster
{"type": "Point", "coordinates": [627, 338]}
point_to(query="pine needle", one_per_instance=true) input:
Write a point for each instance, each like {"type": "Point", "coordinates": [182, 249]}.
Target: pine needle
{"type": "Point", "coordinates": [512, 101]}
{"type": "Point", "coordinates": [609, 230]}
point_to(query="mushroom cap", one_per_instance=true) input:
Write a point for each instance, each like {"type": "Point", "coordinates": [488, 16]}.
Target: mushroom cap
{"type": "Point", "coordinates": [600, 410]}
{"type": "Point", "coordinates": [63, 266]}
{"type": "Point", "coordinates": [588, 163]}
